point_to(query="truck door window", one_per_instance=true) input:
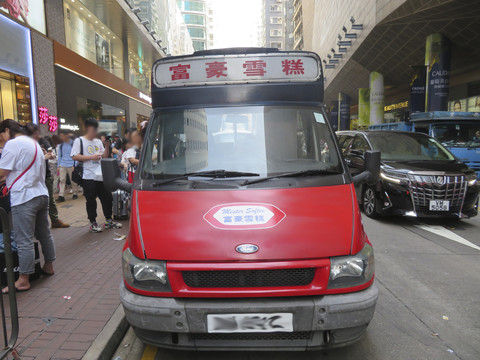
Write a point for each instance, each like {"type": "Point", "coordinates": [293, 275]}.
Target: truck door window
{"type": "Point", "coordinates": [258, 139]}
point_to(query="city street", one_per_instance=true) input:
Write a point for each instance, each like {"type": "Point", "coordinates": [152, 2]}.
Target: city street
{"type": "Point", "coordinates": [429, 303]}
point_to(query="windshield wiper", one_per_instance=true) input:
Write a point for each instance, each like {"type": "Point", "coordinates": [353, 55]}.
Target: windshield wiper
{"type": "Point", "coordinates": [312, 172]}
{"type": "Point", "coordinates": [209, 173]}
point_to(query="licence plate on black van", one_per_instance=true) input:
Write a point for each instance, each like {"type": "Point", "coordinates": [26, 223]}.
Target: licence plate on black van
{"type": "Point", "coordinates": [439, 205]}
{"type": "Point", "coordinates": [249, 323]}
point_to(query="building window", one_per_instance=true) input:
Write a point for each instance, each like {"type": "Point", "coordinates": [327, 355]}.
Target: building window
{"type": "Point", "coordinates": [194, 19]}
{"type": "Point", "coordinates": [276, 32]}
{"type": "Point", "coordinates": [198, 45]}
{"type": "Point", "coordinates": [276, 44]}
{"type": "Point", "coordinates": [275, 20]}
{"type": "Point", "coordinates": [191, 5]}
{"type": "Point", "coordinates": [275, 8]}
{"type": "Point", "coordinates": [197, 32]}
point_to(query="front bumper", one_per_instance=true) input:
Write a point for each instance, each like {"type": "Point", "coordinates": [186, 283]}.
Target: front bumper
{"type": "Point", "coordinates": [318, 321]}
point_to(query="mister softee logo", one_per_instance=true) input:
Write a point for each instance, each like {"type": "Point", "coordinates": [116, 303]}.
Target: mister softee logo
{"type": "Point", "coordinates": [242, 216]}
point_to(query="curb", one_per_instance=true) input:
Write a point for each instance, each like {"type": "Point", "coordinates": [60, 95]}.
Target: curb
{"type": "Point", "coordinates": [106, 343]}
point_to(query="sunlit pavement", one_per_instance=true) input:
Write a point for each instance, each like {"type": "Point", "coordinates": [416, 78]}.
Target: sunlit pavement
{"type": "Point", "coordinates": [429, 305]}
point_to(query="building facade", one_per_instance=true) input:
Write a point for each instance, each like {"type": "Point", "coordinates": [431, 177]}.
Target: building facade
{"type": "Point", "coordinates": [84, 59]}
{"type": "Point", "coordinates": [389, 37]}
{"type": "Point", "coordinates": [196, 18]}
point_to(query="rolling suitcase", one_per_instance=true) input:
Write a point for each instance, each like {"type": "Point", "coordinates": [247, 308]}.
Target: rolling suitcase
{"type": "Point", "coordinates": [121, 205]}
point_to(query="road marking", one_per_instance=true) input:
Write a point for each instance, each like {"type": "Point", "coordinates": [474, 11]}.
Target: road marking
{"type": "Point", "coordinates": [441, 231]}
{"type": "Point", "coordinates": [149, 353]}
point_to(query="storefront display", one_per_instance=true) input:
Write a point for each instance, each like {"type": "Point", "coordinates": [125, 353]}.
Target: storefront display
{"type": "Point", "coordinates": [112, 120]}
{"type": "Point", "coordinates": [30, 12]}
{"type": "Point", "coordinates": [140, 72]}
{"type": "Point", "coordinates": [89, 37]}
{"type": "Point", "coordinates": [17, 90]}
{"type": "Point", "coordinates": [471, 104]}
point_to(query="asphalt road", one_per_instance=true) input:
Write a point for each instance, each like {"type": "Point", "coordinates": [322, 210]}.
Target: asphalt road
{"type": "Point", "coordinates": [428, 274]}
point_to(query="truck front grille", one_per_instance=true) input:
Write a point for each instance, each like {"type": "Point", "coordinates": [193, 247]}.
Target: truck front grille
{"type": "Point", "coordinates": [248, 278]}
{"type": "Point", "coordinates": [282, 336]}
{"type": "Point", "coordinates": [431, 187]}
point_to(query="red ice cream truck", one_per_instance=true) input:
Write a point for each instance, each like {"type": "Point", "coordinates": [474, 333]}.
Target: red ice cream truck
{"type": "Point", "coordinates": [245, 232]}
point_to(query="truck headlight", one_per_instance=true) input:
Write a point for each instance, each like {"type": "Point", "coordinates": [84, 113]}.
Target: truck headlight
{"type": "Point", "coordinates": [145, 275]}
{"type": "Point", "coordinates": [348, 271]}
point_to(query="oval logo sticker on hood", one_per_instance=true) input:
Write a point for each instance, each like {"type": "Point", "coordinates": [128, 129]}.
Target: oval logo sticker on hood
{"type": "Point", "coordinates": [244, 216]}
{"type": "Point", "coordinates": [247, 248]}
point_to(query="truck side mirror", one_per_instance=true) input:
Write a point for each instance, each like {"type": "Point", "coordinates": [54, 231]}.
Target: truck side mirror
{"type": "Point", "coordinates": [372, 169]}
{"type": "Point", "coordinates": [111, 176]}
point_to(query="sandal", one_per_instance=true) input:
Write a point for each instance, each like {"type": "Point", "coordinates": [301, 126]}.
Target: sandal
{"type": "Point", "coordinates": [5, 290]}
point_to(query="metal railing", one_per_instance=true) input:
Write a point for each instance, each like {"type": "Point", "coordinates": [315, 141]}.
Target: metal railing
{"type": "Point", "coordinates": [9, 342]}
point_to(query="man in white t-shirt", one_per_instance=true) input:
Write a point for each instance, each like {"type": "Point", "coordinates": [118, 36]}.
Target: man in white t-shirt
{"type": "Point", "coordinates": [23, 167]}
{"type": "Point", "coordinates": [90, 150]}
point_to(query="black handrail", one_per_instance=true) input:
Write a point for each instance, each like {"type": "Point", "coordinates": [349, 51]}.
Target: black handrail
{"type": "Point", "coordinates": [9, 342]}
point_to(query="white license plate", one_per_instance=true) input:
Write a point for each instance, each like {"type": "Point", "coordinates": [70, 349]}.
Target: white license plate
{"type": "Point", "coordinates": [439, 205]}
{"type": "Point", "coordinates": [249, 323]}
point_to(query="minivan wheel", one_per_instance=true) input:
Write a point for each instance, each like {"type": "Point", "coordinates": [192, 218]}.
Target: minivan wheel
{"type": "Point", "coordinates": [370, 202]}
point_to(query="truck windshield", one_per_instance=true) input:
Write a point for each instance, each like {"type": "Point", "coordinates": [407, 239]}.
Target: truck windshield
{"type": "Point", "coordinates": [457, 135]}
{"type": "Point", "coordinates": [408, 147]}
{"type": "Point", "coordinates": [250, 140]}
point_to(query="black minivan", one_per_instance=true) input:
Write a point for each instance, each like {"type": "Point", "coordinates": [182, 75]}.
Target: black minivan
{"type": "Point", "coordinates": [418, 176]}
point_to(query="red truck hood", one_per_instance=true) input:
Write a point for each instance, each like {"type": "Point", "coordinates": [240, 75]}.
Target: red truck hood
{"type": "Point", "coordinates": [285, 224]}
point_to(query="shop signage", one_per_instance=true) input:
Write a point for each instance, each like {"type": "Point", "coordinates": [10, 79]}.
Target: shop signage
{"type": "Point", "coordinates": [376, 98]}
{"type": "Point", "coordinates": [234, 69]}
{"type": "Point", "coordinates": [400, 105]}
{"type": "Point", "coordinates": [145, 97]}
{"type": "Point", "coordinates": [45, 118]}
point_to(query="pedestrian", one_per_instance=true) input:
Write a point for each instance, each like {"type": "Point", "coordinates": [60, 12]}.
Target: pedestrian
{"type": "Point", "coordinates": [65, 166]}
{"type": "Point", "coordinates": [90, 150]}
{"type": "Point", "coordinates": [132, 155]}
{"type": "Point", "coordinates": [55, 141]}
{"type": "Point", "coordinates": [33, 131]}
{"type": "Point", "coordinates": [23, 167]}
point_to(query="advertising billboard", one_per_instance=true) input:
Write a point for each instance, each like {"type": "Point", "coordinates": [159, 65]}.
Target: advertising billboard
{"type": "Point", "coordinates": [343, 111]}
{"type": "Point", "coordinates": [376, 98]}
{"type": "Point", "coordinates": [437, 61]}
{"type": "Point", "coordinates": [417, 89]}
{"type": "Point", "coordinates": [363, 108]}
{"type": "Point", "coordinates": [30, 12]}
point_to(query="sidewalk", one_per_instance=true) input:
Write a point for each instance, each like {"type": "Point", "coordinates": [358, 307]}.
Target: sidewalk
{"type": "Point", "coordinates": [88, 269]}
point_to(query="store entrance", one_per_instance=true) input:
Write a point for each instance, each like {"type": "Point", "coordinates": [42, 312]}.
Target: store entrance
{"type": "Point", "coordinates": [15, 98]}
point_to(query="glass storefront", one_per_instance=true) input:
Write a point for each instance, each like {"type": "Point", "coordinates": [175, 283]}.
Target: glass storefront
{"type": "Point", "coordinates": [17, 88]}
{"type": "Point", "coordinates": [139, 72]}
{"type": "Point", "coordinates": [112, 120]}
{"type": "Point", "coordinates": [89, 37]}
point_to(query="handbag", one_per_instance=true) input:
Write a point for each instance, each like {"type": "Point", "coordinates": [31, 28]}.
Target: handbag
{"type": "Point", "coordinates": [4, 189]}
{"type": "Point", "coordinates": [77, 174]}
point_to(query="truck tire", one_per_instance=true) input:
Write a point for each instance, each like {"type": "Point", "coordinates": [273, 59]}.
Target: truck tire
{"type": "Point", "coordinates": [369, 202]}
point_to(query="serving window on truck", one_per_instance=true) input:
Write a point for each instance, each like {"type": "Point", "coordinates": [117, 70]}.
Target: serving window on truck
{"type": "Point", "coordinates": [243, 138]}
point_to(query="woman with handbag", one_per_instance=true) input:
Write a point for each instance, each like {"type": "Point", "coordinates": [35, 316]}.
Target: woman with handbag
{"type": "Point", "coordinates": [22, 165]}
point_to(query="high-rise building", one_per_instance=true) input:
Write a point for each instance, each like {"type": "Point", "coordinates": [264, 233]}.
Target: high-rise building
{"type": "Point", "coordinates": [278, 26]}
{"type": "Point", "coordinates": [297, 25]}
{"type": "Point", "coordinates": [196, 19]}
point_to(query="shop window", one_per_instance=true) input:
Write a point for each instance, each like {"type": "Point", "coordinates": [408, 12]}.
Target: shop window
{"type": "Point", "coordinates": [86, 35]}
{"type": "Point", "coordinates": [111, 120]}
{"type": "Point", "coordinates": [15, 98]}
{"type": "Point", "coordinates": [139, 72]}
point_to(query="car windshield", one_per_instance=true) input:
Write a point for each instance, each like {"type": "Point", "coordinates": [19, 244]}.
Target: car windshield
{"type": "Point", "coordinates": [457, 135]}
{"type": "Point", "coordinates": [408, 147]}
{"type": "Point", "coordinates": [261, 140]}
